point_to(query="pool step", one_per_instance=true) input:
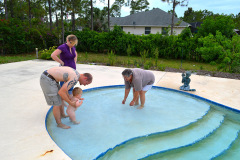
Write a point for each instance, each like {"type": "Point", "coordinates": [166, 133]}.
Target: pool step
{"type": "Point", "coordinates": [143, 146]}
{"type": "Point", "coordinates": [232, 153]}
{"type": "Point", "coordinates": [208, 148]}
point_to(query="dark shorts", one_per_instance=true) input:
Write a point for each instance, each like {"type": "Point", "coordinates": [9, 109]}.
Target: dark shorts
{"type": "Point", "coordinates": [50, 90]}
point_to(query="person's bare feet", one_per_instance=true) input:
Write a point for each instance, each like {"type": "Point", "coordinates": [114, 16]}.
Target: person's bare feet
{"type": "Point", "coordinates": [136, 103]}
{"type": "Point", "coordinates": [64, 116]}
{"type": "Point", "coordinates": [140, 107]}
{"type": "Point", "coordinates": [63, 126]}
{"type": "Point", "coordinates": [75, 122]}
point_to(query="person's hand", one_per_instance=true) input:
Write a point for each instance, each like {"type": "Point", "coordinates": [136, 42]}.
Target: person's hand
{"type": "Point", "coordinates": [79, 103]}
{"type": "Point", "coordinates": [123, 102]}
{"type": "Point", "coordinates": [61, 64]}
{"type": "Point", "coordinates": [132, 103]}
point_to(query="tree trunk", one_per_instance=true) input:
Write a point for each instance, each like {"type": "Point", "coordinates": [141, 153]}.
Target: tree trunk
{"type": "Point", "coordinates": [11, 8]}
{"type": "Point", "coordinates": [73, 16]}
{"type": "Point", "coordinates": [91, 15]}
{"type": "Point", "coordinates": [62, 22]}
{"type": "Point", "coordinates": [29, 12]}
{"type": "Point", "coordinates": [50, 14]}
{"type": "Point", "coordinates": [5, 7]}
{"type": "Point", "coordinates": [108, 15]}
{"type": "Point", "coordinates": [174, 5]}
{"type": "Point", "coordinates": [56, 20]}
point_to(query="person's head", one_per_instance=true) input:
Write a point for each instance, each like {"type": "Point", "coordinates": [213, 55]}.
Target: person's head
{"type": "Point", "coordinates": [85, 79]}
{"type": "Point", "coordinates": [71, 40]}
{"type": "Point", "coordinates": [127, 74]}
{"type": "Point", "coordinates": [77, 92]}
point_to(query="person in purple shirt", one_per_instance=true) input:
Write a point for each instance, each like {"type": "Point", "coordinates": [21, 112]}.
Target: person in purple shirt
{"type": "Point", "coordinates": [68, 57]}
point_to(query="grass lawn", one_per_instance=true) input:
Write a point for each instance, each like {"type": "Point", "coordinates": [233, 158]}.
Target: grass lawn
{"type": "Point", "coordinates": [124, 61]}
{"type": "Point", "coordinates": [17, 58]}
{"type": "Point", "coordinates": [149, 63]}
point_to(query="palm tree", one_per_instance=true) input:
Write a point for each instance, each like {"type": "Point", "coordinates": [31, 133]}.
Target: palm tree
{"type": "Point", "coordinates": [50, 14]}
{"type": "Point", "coordinates": [91, 14]}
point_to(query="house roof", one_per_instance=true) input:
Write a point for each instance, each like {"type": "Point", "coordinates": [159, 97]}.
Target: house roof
{"type": "Point", "coordinates": [154, 17]}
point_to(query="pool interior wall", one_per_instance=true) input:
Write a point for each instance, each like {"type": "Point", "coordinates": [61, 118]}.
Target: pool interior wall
{"type": "Point", "coordinates": [98, 142]}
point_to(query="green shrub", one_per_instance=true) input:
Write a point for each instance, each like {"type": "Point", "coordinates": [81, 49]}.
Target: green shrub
{"type": "Point", "coordinates": [18, 37]}
{"type": "Point", "coordinates": [213, 63]}
{"type": "Point", "coordinates": [86, 56]}
{"type": "Point", "coordinates": [156, 53]}
{"type": "Point", "coordinates": [111, 58]}
{"type": "Point", "coordinates": [161, 67]}
{"type": "Point", "coordinates": [144, 55]}
{"type": "Point", "coordinates": [46, 53]}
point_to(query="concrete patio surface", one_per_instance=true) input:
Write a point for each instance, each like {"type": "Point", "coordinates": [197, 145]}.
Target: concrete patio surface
{"type": "Point", "coordinates": [23, 107]}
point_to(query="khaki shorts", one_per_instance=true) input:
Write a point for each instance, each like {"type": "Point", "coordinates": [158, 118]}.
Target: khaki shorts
{"type": "Point", "coordinates": [50, 90]}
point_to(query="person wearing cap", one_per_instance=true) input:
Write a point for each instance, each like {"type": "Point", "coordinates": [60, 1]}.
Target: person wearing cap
{"type": "Point", "coordinates": [141, 81]}
{"type": "Point", "coordinates": [49, 82]}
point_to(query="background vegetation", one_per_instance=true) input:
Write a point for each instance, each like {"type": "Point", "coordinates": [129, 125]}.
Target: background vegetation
{"type": "Point", "coordinates": [27, 25]}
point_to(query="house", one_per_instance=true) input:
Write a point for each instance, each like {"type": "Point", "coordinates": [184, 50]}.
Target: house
{"type": "Point", "coordinates": [153, 21]}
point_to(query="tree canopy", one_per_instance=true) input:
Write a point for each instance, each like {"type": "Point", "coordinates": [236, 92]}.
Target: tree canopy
{"type": "Point", "coordinates": [221, 23]}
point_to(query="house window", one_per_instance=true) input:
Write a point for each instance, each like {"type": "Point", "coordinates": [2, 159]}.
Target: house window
{"type": "Point", "coordinates": [164, 30]}
{"type": "Point", "coordinates": [147, 30]}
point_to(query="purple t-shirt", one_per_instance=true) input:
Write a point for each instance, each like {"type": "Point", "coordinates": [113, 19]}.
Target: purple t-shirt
{"type": "Point", "coordinates": [66, 56]}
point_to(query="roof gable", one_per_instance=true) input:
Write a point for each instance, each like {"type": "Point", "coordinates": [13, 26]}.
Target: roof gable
{"type": "Point", "coordinates": [154, 17]}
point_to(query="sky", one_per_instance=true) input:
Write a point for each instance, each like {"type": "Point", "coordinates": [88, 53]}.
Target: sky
{"type": "Point", "coordinates": [216, 6]}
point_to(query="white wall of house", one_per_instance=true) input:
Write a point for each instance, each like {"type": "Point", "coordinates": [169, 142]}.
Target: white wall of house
{"type": "Point", "coordinates": [139, 30]}
{"type": "Point", "coordinates": [134, 30]}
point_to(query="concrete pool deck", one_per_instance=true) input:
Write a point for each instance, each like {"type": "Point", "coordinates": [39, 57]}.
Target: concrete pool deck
{"type": "Point", "coordinates": [23, 107]}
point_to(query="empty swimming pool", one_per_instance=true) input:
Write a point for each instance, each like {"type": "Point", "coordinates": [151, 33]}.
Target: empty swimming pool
{"type": "Point", "coordinates": [172, 125]}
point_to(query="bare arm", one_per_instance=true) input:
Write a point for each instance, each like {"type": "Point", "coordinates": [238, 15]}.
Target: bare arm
{"type": "Point", "coordinates": [55, 55]}
{"type": "Point", "coordinates": [78, 103]}
{"type": "Point", "coordinates": [63, 92]}
{"type": "Point", "coordinates": [75, 59]}
{"type": "Point", "coordinates": [125, 95]}
{"type": "Point", "coordinates": [135, 96]}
